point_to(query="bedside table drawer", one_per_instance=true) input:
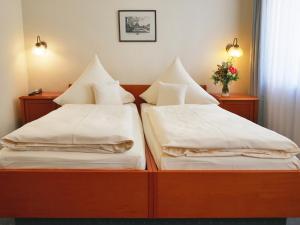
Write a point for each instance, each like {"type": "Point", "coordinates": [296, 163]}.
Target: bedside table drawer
{"type": "Point", "coordinates": [242, 108]}
{"type": "Point", "coordinates": [240, 104]}
{"type": "Point", "coordinates": [35, 109]}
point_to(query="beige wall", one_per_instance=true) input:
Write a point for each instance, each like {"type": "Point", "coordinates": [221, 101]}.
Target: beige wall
{"type": "Point", "coordinates": [195, 30]}
{"type": "Point", "coordinates": [13, 74]}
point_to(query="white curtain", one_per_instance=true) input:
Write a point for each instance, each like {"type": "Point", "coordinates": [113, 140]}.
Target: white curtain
{"type": "Point", "coordinates": [279, 69]}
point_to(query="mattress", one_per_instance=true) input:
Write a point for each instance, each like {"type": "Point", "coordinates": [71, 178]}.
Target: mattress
{"type": "Point", "coordinates": [167, 162]}
{"type": "Point", "coordinates": [131, 159]}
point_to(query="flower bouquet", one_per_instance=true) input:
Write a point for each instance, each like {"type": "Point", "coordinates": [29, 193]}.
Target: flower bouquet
{"type": "Point", "coordinates": [224, 75]}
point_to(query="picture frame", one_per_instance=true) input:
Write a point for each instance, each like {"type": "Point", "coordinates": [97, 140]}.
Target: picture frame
{"type": "Point", "coordinates": [137, 25]}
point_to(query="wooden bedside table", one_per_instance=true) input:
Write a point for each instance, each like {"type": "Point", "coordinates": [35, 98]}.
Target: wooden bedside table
{"type": "Point", "coordinates": [242, 105]}
{"type": "Point", "coordinates": [36, 106]}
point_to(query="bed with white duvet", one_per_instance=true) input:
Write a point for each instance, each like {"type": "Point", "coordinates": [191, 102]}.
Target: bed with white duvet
{"type": "Point", "coordinates": [206, 137]}
{"type": "Point", "coordinates": [78, 136]}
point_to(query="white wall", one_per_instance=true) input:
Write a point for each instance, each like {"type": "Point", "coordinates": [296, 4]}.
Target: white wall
{"type": "Point", "coordinates": [195, 30]}
{"type": "Point", "coordinates": [13, 74]}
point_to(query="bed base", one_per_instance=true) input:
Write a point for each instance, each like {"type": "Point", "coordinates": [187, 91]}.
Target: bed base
{"type": "Point", "coordinates": [73, 193]}
{"type": "Point", "coordinates": [226, 194]}
{"type": "Point", "coordinates": [67, 193]}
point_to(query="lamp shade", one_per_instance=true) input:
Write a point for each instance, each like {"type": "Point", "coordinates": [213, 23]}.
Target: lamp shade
{"type": "Point", "coordinates": [39, 50]}
{"type": "Point", "coordinates": [40, 47]}
{"type": "Point", "coordinates": [234, 49]}
{"type": "Point", "coordinates": [235, 52]}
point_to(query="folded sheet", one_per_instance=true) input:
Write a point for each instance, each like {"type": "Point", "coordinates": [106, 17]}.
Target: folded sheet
{"type": "Point", "coordinates": [79, 128]}
{"type": "Point", "coordinates": [208, 130]}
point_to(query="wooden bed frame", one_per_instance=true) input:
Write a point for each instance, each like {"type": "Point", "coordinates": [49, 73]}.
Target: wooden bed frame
{"type": "Point", "coordinates": [75, 193]}
{"type": "Point", "coordinates": [151, 193]}
{"type": "Point", "coordinates": [78, 193]}
{"type": "Point", "coordinates": [225, 193]}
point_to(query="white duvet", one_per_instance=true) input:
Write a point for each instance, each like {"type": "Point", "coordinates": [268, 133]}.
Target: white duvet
{"type": "Point", "coordinates": [79, 128]}
{"type": "Point", "coordinates": [208, 130]}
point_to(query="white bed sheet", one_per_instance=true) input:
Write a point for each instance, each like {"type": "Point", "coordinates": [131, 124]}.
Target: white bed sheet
{"type": "Point", "coordinates": [167, 162]}
{"type": "Point", "coordinates": [131, 159]}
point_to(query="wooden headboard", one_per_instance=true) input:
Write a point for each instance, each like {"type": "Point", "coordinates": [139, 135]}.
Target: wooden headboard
{"type": "Point", "coordinates": [137, 89]}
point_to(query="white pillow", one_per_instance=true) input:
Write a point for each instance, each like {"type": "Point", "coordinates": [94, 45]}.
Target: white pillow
{"type": "Point", "coordinates": [107, 94]}
{"type": "Point", "coordinates": [81, 92]}
{"type": "Point", "coordinates": [176, 74]}
{"type": "Point", "coordinates": [171, 94]}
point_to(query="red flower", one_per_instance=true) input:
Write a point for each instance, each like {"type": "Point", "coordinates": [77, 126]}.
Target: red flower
{"type": "Point", "coordinates": [232, 70]}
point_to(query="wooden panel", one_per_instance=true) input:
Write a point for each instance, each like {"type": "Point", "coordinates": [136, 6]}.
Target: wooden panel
{"type": "Point", "coordinates": [227, 194]}
{"type": "Point", "coordinates": [77, 193]}
{"type": "Point", "coordinates": [241, 108]}
{"type": "Point", "coordinates": [240, 104]}
{"type": "Point", "coordinates": [22, 111]}
{"type": "Point", "coordinates": [35, 109]}
{"type": "Point", "coordinates": [74, 193]}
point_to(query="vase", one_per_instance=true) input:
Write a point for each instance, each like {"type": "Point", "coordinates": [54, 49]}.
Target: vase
{"type": "Point", "coordinates": [225, 89]}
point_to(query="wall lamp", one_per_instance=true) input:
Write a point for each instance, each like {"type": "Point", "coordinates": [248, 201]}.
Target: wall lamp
{"type": "Point", "coordinates": [40, 47]}
{"type": "Point", "coordinates": [234, 49]}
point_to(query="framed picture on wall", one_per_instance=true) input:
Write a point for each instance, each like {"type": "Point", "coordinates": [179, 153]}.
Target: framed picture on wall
{"type": "Point", "coordinates": [137, 25]}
